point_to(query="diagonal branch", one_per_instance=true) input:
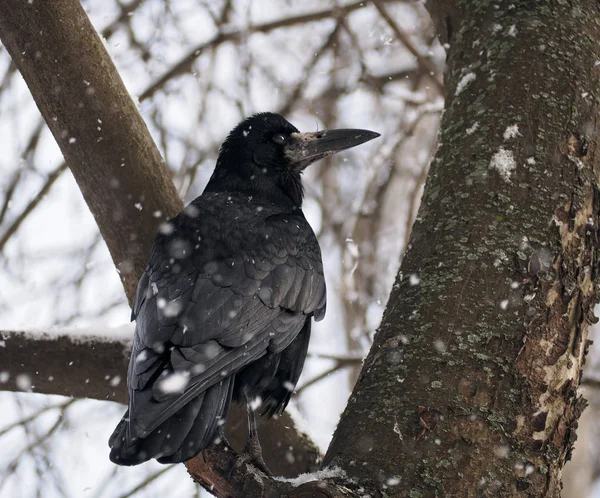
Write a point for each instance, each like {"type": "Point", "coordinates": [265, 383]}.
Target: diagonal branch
{"type": "Point", "coordinates": [18, 221]}
{"type": "Point", "coordinates": [424, 63]}
{"type": "Point", "coordinates": [98, 128]}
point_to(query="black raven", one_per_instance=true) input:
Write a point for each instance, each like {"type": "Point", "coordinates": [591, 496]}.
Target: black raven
{"type": "Point", "coordinates": [224, 307]}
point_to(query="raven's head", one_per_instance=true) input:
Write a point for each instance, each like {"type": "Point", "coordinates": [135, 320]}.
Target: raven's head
{"type": "Point", "coordinates": [265, 149]}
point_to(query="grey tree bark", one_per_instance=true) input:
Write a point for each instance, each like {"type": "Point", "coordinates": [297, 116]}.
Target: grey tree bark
{"type": "Point", "coordinates": [471, 386]}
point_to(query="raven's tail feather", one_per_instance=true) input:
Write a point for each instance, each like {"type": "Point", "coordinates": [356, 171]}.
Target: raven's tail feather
{"type": "Point", "coordinates": [277, 395]}
{"type": "Point", "coordinates": [179, 438]}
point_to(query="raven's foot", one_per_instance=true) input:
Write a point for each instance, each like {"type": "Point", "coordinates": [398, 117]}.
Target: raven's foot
{"type": "Point", "coordinates": [252, 453]}
{"type": "Point", "coordinates": [256, 461]}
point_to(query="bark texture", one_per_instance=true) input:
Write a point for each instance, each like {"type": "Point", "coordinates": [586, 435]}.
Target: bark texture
{"type": "Point", "coordinates": [65, 365]}
{"type": "Point", "coordinates": [128, 189]}
{"type": "Point", "coordinates": [470, 389]}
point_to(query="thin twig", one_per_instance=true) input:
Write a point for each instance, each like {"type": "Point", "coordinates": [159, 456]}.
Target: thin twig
{"type": "Point", "coordinates": [184, 65]}
{"type": "Point", "coordinates": [52, 177]}
{"type": "Point", "coordinates": [147, 482]}
{"type": "Point", "coordinates": [319, 377]}
{"type": "Point", "coordinates": [33, 416]}
{"type": "Point", "coordinates": [424, 63]}
{"type": "Point", "coordinates": [124, 15]}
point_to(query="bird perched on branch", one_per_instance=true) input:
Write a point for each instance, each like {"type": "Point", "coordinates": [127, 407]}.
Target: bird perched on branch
{"type": "Point", "coordinates": [225, 305]}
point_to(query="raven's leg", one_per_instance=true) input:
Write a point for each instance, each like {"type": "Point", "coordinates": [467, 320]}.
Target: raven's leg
{"type": "Point", "coordinates": [252, 452]}
{"type": "Point", "coordinates": [253, 447]}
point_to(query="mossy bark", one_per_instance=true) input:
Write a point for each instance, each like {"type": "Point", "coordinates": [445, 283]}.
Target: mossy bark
{"type": "Point", "coordinates": [471, 386]}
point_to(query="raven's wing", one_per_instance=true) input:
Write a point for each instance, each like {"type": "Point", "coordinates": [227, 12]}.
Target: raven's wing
{"type": "Point", "coordinates": [206, 311]}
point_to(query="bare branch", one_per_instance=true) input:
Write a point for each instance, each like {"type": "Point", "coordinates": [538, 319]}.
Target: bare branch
{"type": "Point", "coordinates": [89, 112]}
{"type": "Point", "coordinates": [14, 226]}
{"type": "Point", "coordinates": [92, 364]}
{"type": "Point", "coordinates": [424, 63]}
{"type": "Point", "coordinates": [184, 65]}
{"type": "Point", "coordinates": [80, 365]}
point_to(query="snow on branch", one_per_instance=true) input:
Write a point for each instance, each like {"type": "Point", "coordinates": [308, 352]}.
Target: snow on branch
{"type": "Point", "coordinates": [80, 364]}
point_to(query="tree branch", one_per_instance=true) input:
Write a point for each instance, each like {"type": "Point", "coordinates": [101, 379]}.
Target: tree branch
{"type": "Point", "coordinates": [100, 132]}
{"type": "Point", "coordinates": [424, 63]}
{"type": "Point", "coordinates": [185, 63]}
{"type": "Point", "coordinates": [18, 221]}
{"type": "Point", "coordinates": [93, 364]}
{"type": "Point", "coordinates": [75, 364]}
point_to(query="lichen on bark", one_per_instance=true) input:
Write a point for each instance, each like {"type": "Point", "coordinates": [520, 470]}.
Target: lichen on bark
{"type": "Point", "coordinates": [471, 386]}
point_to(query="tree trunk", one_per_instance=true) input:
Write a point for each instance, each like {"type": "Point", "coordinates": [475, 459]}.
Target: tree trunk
{"type": "Point", "coordinates": [471, 386]}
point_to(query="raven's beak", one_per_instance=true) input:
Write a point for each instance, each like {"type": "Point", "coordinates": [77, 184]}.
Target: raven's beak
{"type": "Point", "coordinates": [306, 148]}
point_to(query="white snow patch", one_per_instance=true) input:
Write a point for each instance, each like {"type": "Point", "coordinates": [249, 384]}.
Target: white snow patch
{"type": "Point", "coordinates": [167, 228]}
{"type": "Point", "coordinates": [392, 481]}
{"type": "Point", "coordinates": [255, 403]}
{"type": "Point", "coordinates": [319, 475]}
{"type": "Point", "coordinates": [472, 129]}
{"type": "Point", "coordinates": [174, 383]}
{"type": "Point", "coordinates": [504, 163]}
{"type": "Point", "coordinates": [512, 31]}
{"type": "Point", "coordinates": [143, 356]}
{"type": "Point", "coordinates": [76, 336]}
{"type": "Point", "coordinates": [414, 279]}
{"type": "Point", "coordinates": [496, 27]}
{"type": "Point", "coordinates": [24, 382]}
{"type": "Point", "coordinates": [504, 304]}
{"type": "Point", "coordinates": [511, 131]}
{"type": "Point", "coordinates": [172, 308]}
{"type": "Point", "coordinates": [531, 160]}
{"type": "Point", "coordinates": [191, 210]}
{"type": "Point", "coordinates": [440, 346]}
{"type": "Point", "coordinates": [464, 81]}
{"type": "Point", "coordinates": [502, 451]}
{"type": "Point", "coordinates": [397, 430]}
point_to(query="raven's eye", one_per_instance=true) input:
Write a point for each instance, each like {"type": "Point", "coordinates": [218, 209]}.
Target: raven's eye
{"type": "Point", "coordinates": [279, 138]}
